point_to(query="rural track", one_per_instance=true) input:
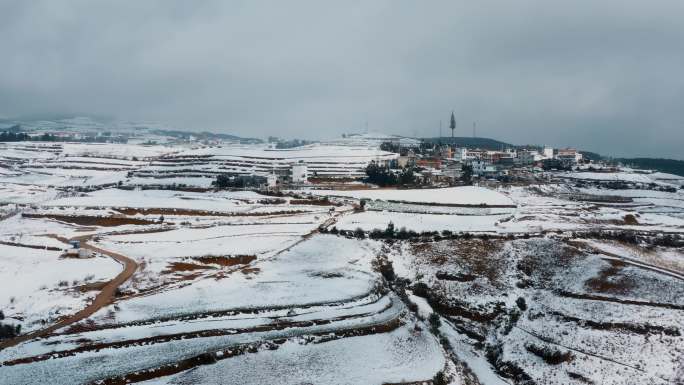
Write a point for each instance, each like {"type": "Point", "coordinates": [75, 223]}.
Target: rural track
{"type": "Point", "coordinates": [327, 223]}
{"type": "Point", "coordinates": [102, 299]}
{"type": "Point", "coordinates": [634, 262]}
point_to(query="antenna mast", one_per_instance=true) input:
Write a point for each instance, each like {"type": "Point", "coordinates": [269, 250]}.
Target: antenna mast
{"type": "Point", "coordinates": [452, 125]}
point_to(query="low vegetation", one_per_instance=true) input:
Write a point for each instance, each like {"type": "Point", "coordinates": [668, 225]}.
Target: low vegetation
{"type": "Point", "coordinates": [8, 330]}
{"type": "Point", "coordinates": [550, 355]}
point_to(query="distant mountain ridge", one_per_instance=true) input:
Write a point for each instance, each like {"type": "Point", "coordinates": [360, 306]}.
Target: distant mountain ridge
{"type": "Point", "coordinates": [86, 124]}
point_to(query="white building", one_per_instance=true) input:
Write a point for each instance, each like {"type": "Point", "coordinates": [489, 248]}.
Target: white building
{"type": "Point", "coordinates": [569, 155]}
{"type": "Point", "coordinates": [548, 152]}
{"type": "Point", "coordinates": [77, 253]}
{"type": "Point", "coordinates": [300, 173]}
{"type": "Point", "coordinates": [527, 157]}
{"type": "Point", "coordinates": [461, 154]}
{"type": "Point", "coordinates": [483, 167]}
{"type": "Point", "coordinates": [272, 180]}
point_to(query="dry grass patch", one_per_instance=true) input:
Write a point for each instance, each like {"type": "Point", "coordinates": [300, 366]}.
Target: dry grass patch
{"type": "Point", "coordinates": [478, 257]}
{"type": "Point", "coordinates": [610, 280]}
{"type": "Point", "coordinates": [225, 260]}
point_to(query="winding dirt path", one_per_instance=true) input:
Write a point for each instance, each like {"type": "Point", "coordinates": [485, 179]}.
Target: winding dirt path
{"type": "Point", "coordinates": [101, 300]}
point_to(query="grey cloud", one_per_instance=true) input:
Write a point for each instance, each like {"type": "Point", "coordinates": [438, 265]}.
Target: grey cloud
{"type": "Point", "coordinates": [602, 76]}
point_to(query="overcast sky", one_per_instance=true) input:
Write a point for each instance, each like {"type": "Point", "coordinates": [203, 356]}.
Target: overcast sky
{"type": "Point", "coordinates": [600, 75]}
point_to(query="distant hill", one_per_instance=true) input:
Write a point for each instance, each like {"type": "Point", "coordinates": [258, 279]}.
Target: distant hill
{"type": "Point", "coordinates": [671, 166]}
{"type": "Point", "coordinates": [470, 142]}
{"type": "Point", "coordinates": [89, 125]}
{"type": "Point", "coordinates": [203, 135]}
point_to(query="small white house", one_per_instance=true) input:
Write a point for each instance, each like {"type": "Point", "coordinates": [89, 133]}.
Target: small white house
{"type": "Point", "coordinates": [76, 251]}
{"type": "Point", "coordinates": [272, 180]}
{"type": "Point", "coordinates": [461, 154]}
{"type": "Point", "coordinates": [482, 167]}
{"type": "Point", "coordinates": [527, 157]}
{"type": "Point", "coordinates": [300, 173]}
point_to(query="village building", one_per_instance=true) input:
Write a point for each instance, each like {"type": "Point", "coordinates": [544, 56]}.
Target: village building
{"type": "Point", "coordinates": [76, 251]}
{"type": "Point", "coordinates": [299, 173]}
{"type": "Point", "coordinates": [569, 155]}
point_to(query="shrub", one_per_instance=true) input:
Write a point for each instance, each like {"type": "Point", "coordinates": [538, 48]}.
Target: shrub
{"type": "Point", "coordinates": [421, 289]}
{"type": "Point", "coordinates": [375, 234]}
{"type": "Point", "coordinates": [434, 320]}
{"type": "Point", "coordinates": [630, 219]}
{"type": "Point", "coordinates": [440, 379]}
{"type": "Point", "coordinates": [9, 331]}
{"type": "Point", "coordinates": [549, 355]}
{"type": "Point", "coordinates": [389, 230]}
{"type": "Point", "coordinates": [521, 303]}
{"type": "Point", "coordinates": [206, 359]}
{"type": "Point", "coordinates": [387, 271]}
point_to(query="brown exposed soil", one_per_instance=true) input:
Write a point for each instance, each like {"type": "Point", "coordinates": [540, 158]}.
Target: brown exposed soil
{"type": "Point", "coordinates": [313, 202]}
{"type": "Point", "coordinates": [594, 297]}
{"type": "Point", "coordinates": [199, 213]}
{"type": "Point", "coordinates": [610, 280]}
{"type": "Point", "coordinates": [176, 267]}
{"type": "Point", "coordinates": [643, 329]}
{"type": "Point", "coordinates": [630, 219]}
{"type": "Point", "coordinates": [250, 270]}
{"type": "Point", "coordinates": [84, 220]}
{"type": "Point", "coordinates": [478, 257]}
{"type": "Point", "coordinates": [51, 248]}
{"type": "Point", "coordinates": [457, 310]}
{"type": "Point", "coordinates": [226, 260]}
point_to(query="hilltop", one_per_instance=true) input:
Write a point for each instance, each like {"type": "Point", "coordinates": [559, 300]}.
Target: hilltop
{"type": "Point", "coordinates": [470, 142]}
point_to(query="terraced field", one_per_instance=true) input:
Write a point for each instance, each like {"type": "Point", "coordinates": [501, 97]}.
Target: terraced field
{"type": "Point", "coordinates": [546, 284]}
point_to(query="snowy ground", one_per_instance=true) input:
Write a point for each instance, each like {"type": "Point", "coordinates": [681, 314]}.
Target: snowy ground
{"type": "Point", "coordinates": [467, 195]}
{"type": "Point", "coordinates": [39, 286]}
{"type": "Point", "coordinates": [567, 282]}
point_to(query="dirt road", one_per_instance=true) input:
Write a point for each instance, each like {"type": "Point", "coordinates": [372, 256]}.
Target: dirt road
{"type": "Point", "coordinates": [101, 300]}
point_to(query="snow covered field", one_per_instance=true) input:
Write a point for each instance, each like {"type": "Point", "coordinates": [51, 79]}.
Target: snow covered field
{"type": "Point", "coordinates": [466, 195]}
{"type": "Point", "coordinates": [40, 286]}
{"type": "Point", "coordinates": [569, 282]}
{"type": "Point", "coordinates": [397, 357]}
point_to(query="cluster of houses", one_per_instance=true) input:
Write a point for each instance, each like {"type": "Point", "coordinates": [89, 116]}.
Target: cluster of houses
{"type": "Point", "coordinates": [346, 159]}
{"type": "Point", "coordinates": [444, 164]}
{"type": "Point", "coordinates": [447, 164]}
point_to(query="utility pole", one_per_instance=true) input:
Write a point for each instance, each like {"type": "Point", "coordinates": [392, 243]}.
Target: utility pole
{"type": "Point", "coordinates": [440, 129]}
{"type": "Point", "coordinates": [474, 128]}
